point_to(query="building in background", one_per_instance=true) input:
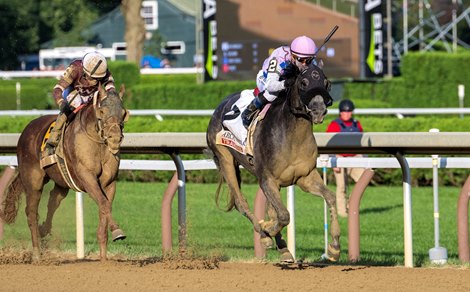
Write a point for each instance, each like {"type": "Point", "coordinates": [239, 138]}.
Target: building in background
{"type": "Point", "coordinates": [248, 30]}
{"type": "Point", "coordinates": [170, 36]}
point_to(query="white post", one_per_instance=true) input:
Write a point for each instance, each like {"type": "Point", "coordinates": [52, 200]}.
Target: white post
{"type": "Point", "coordinates": [291, 226]}
{"type": "Point", "coordinates": [79, 225]}
{"type": "Point", "coordinates": [461, 92]}
{"type": "Point", "coordinates": [437, 254]}
{"type": "Point", "coordinates": [18, 96]}
{"type": "Point", "coordinates": [408, 232]}
{"type": "Point", "coordinates": [324, 163]}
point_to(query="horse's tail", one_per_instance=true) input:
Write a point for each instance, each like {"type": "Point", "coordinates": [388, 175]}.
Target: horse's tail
{"type": "Point", "coordinates": [230, 204]}
{"type": "Point", "coordinates": [12, 200]}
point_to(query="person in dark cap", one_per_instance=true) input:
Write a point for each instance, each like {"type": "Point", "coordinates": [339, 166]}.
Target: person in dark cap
{"type": "Point", "coordinates": [345, 123]}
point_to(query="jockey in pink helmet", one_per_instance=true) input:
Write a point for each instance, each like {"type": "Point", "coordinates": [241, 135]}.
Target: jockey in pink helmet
{"type": "Point", "coordinates": [300, 53]}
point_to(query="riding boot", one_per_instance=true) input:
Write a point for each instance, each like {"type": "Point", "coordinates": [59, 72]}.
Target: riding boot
{"type": "Point", "coordinates": [249, 113]}
{"type": "Point", "coordinates": [54, 137]}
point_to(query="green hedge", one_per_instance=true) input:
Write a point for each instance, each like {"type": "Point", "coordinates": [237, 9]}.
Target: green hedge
{"type": "Point", "coordinates": [125, 72]}
{"type": "Point", "coordinates": [428, 80]}
{"type": "Point", "coordinates": [162, 95]}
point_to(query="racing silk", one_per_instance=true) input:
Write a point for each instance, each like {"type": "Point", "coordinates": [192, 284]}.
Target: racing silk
{"type": "Point", "coordinates": [74, 79]}
{"type": "Point", "coordinates": [273, 67]}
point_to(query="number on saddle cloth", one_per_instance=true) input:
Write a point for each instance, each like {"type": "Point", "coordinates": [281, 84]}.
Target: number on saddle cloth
{"type": "Point", "coordinates": [232, 120]}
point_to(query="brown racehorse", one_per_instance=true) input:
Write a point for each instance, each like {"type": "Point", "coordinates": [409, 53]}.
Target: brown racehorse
{"type": "Point", "coordinates": [284, 153]}
{"type": "Point", "coordinates": [91, 151]}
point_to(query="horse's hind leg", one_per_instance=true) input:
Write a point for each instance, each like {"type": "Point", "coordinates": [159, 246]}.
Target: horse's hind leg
{"type": "Point", "coordinates": [228, 169]}
{"type": "Point", "coordinates": [313, 184]}
{"type": "Point", "coordinates": [56, 196]}
{"type": "Point", "coordinates": [32, 204]}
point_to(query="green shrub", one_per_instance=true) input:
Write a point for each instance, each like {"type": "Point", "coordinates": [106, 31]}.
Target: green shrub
{"type": "Point", "coordinates": [183, 96]}
{"type": "Point", "coordinates": [126, 73]}
{"type": "Point", "coordinates": [428, 80]}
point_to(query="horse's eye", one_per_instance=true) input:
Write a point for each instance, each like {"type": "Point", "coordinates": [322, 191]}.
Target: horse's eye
{"type": "Point", "coordinates": [304, 83]}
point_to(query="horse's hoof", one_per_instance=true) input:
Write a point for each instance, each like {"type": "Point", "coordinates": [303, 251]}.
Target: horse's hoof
{"type": "Point", "coordinates": [118, 234]}
{"type": "Point", "coordinates": [267, 242]}
{"type": "Point", "coordinates": [286, 257]}
{"type": "Point", "coordinates": [333, 253]}
{"type": "Point", "coordinates": [43, 231]}
{"type": "Point", "coordinates": [36, 256]}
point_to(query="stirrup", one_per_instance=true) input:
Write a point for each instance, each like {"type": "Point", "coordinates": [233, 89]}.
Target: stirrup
{"type": "Point", "coordinates": [48, 156]}
{"type": "Point", "coordinates": [48, 160]}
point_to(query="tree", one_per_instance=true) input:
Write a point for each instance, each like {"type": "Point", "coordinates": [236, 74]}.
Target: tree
{"type": "Point", "coordinates": [135, 29]}
{"type": "Point", "coordinates": [67, 19]}
{"type": "Point", "coordinates": [18, 32]}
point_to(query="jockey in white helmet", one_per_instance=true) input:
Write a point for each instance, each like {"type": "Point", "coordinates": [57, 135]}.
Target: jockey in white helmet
{"type": "Point", "coordinates": [76, 87]}
{"type": "Point", "coordinates": [300, 53]}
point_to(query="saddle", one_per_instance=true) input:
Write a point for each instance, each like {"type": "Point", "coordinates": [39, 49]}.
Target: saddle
{"type": "Point", "coordinates": [233, 133]}
{"type": "Point", "coordinates": [48, 159]}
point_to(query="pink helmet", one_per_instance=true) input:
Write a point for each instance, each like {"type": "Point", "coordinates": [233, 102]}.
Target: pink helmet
{"type": "Point", "coordinates": [303, 46]}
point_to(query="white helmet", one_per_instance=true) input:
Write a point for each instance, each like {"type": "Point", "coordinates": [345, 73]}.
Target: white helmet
{"type": "Point", "coordinates": [94, 65]}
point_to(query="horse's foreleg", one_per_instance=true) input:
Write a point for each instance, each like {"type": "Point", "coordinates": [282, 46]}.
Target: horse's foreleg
{"type": "Point", "coordinates": [103, 211]}
{"type": "Point", "coordinates": [32, 204]}
{"type": "Point", "coordinates": [116, 232]}
{"type": "Point", "coordinates": [313, 184]}
{"type": "Point", "coordinates": [56, 195]}
{"type": "Point", "coordinates": [277, 211]}
{"type": "Point", "coordinates": [102, 235]}
{"type": "Point", "coordinates": [286, 256]}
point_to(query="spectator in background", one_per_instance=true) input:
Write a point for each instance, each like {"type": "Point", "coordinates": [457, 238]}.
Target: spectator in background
{"type": "Point", "coordinates": [345, 123]}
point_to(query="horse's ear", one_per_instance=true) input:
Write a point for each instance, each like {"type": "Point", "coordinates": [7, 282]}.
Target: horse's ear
{"type": "Point", "coordinates": [102, 90]}
{"type": "Point", "coordinates": [122, 90]}
{"type": "Point", "coordinates": [125, 115]}
{"type": "Point", "coordinates": [320, 64]}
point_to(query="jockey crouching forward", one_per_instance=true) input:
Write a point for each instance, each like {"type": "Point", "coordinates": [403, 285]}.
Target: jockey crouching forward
{"type": "Point", "coordinates": [76, 87]}
{"type": "Point", "coordinates": [300, 53]}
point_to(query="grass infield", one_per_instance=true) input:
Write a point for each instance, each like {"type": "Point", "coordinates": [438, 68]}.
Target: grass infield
{"type": "Point", "coordinates": [214, 232]}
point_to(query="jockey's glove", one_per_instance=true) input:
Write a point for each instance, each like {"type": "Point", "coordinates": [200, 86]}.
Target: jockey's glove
{"type": "Point", "coordinates": [65, 108]}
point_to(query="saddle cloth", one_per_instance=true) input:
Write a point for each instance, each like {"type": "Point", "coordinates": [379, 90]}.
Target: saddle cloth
{"type": "Point", "coordinates": [234, 134]}
{"type": "Point", "coordinates": [57, 157]}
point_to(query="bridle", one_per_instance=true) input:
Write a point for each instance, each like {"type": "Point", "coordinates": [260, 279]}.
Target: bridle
{"type": "Point", "coordinates": [104, 126]}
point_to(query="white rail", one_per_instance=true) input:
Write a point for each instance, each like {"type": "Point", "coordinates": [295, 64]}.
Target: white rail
{"type": "Point", "coordinates": [58, 73]}
{"type": "Point", "coordinates": [399, 112]}
{"type": "Point", "coordinates": [347, 162]}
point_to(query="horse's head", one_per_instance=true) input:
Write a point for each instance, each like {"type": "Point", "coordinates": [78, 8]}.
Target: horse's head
{"type": "Point", "coordinates": [111, 116]}
{"type": "Point", "coordinates": [308, 93]}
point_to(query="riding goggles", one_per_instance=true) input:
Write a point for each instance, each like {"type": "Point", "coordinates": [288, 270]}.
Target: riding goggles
{"type": "Point", "coordinates": [303, 60]}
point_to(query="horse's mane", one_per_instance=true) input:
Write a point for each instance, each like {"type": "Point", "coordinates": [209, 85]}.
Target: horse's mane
{"type": "Point", "coordinates": [112, 95]}
{"type": "Point", "coordinates": [290, 74]}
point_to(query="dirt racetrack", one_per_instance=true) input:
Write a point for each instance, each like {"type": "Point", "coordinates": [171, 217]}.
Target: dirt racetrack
{"type": "Point", "coordinates": [17, 274]}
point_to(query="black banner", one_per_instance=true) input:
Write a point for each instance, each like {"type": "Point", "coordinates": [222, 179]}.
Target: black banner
{"type": "Point", "coordinates": [373, 37]}
{"type": "Point", "coordinates": [209, 26]}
